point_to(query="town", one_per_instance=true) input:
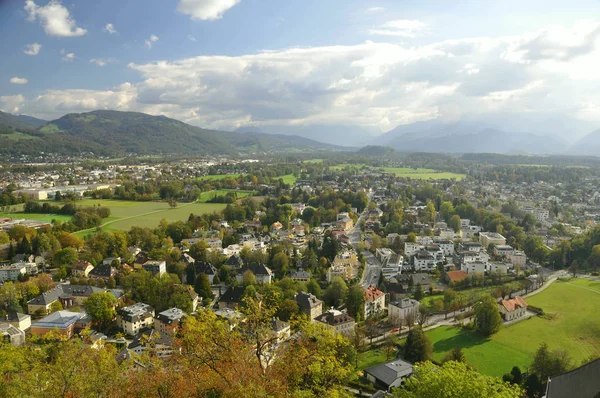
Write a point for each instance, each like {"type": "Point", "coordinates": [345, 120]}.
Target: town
{"type": "Point", "coordinates": [396, 262]}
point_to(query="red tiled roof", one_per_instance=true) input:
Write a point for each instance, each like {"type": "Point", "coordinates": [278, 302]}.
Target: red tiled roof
{"type": "Point", "coordinates": [456, 276]}
{"type": "Point", "coordinates": [513, 304]}
{"type": "Point", "coordinates": [372, 293]}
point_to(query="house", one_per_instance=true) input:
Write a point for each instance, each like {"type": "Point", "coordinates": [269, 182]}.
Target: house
{"type": "Point", "coordinates": [374, 302]}
{"type": "Point", "coordinates": [168, 321]}
{"type": "Point", "coordinates": [11, 334]}
{"type": "Point", "coordinates": [156, 268]}
{"type": "Point", "coordinates": [281, 330]}
{"type": "Point", "coordinates": [424, 261]}
{"type": "Point", "coordinates": [581, 382]}
{"type": "Point", "coordinates": [337, 321]}
{"type": "Point", "coordinates": [203, 267]}
{"type": "Point", "coordinates": [135, 318]}
{"type": "Point", "coordinates": [390, 374]}
{"type": "Point", "coordinates": [513, 308]}
{"type": "Point", "coordinates": [103, 271]}
{"type": "Point", "coordinates": [160, 343]}
{"type": "Point", "coordinates": [12, 272]}
{"type": "Point", "coordinates": [112, 260]}
{"type": "Point", "coordinates": [64, 322]}
{"type": "Point", "coordinates": [518, 258]}
{"type": "Point", "coordinates": [67, 295]}
{"type": "Point", "coordinates": [411, 248]}
{"type": "Point", "coordinates": [398, 310]}
{"type": "Point", "coordinates": [453, 277]}
{"type": "Point", "coordinates": [194, 296]}
{"type": "Point", "coordinates": [18, 320]}
{"type": "Point", "coordinates": [345, 223]}
{"type": "Point", "coordinates": [232, 297]}
{"type": "Point", "coordinates": [309, 304]}
{"type": "Point", "coordinates": [498, 267]}
{"type": "Point", "coordinates": [487, 238]}
{"type": "Point", "coordinates": [262, 273]}
{"type": "Point", "coordinates": [446, 246]}
{"type": "Point", "coordinates": [82, 268]}
{"type": "Point", "coordinates": [345, 265]}
{"type": "Point", "coordinates": [300, 275]}
{"type": "Point", "coordinates": [234, 262]}
{"type": "Point", "coordinates": [503, 250]}
{"type": "Point", "coordinates": [475, 267]}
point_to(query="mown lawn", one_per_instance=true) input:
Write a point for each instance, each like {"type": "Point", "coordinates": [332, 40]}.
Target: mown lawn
{"type": "Point", "coordinates": [218, 177]}
{"type": "Point", "coordinates": [35, 216]}
{"type": "Point", "coordinates": [373, 357]}
{"type": "Point", "coordinates": [571, 323]}
{"type": "Point", "coordinates": [423, 174]}
{"type": "Point", "coordinates": [288, 179]}
{"type": "Point", "coordinates": [206, 196]}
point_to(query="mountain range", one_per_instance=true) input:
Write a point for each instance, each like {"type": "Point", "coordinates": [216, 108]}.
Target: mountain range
{"type": "Point", "coordinates": [111, 133]}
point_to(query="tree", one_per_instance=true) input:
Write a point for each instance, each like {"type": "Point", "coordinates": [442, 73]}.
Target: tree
{"type": "Point", "coordinates": [487, 315]}
{"type": "Point", "coordinates": [454, 223]}
{"type": "Point", "coordinates": [355, 301]}
{"type": "Point", "coordinates": [418, 347]}
{"type": "Point", "coordinates": [411, 237]}
{"type": "Point", "coordinates": [431, 381]}
{"type": "Point", "coordinates": [312, 286]}
{"type": "Point", "coordinates": [336, 292]}
{"type": "Point", "coordinates": [280, 264]}
{"type": "Point", "coordinates": [409, 320]}
{"type": "Point", "coordinates": [548, 363]}
{"type": "Point", "coordinates": [449, 299]}
{"type": "Point", "coordinates": [100, 306]}
{"type": "Point", "coordinates": [202, 286]}
{"type": "Point", "coordinates": [456, 355]}
{"type": "Point", "coordinates": [517, 376]}
{"type": "Point", "coordinates": [248, 278]}
{"type": "Point", "coordinates": [419, 293]}
{"type": "Point", "coordinates": [65, 257]}
{"type": "Point", "coordinates": [190, 274]}
{"type": "Point", "coordinates": [422, 315]}
{"type": "Point", "coordinates": [574, 268]}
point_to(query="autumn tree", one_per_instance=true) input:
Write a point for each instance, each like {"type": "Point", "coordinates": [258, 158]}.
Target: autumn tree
{"type": "Point", "coordinates": [100, 306]}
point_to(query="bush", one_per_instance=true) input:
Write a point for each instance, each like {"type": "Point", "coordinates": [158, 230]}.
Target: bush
{"type": "Point", "coordinates": [537, 310]}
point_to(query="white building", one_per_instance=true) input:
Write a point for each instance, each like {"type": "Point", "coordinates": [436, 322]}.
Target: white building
{"type": "Point", "coordinates": [374, 302]}
{"type": "Point", "coordinates": [447, 247]}
{"type": "Point", "coordinates": [473, 267]}
{"type": "Point", "coordinates": [424, 261]}
{"type": "Point", "coordinates": [134, 318]}
{"type": "Point", "coordinates": [542, 215]}
{"type": "Point", "coordinates": [485, 238]}
{"type": "Point", "coordinates": [398, 310]}
{"type": "Point", "coordinates": [12, 272]}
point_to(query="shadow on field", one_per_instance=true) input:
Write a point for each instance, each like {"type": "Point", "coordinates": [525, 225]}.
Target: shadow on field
{"type": "Point", "coordinates": [465, 339]}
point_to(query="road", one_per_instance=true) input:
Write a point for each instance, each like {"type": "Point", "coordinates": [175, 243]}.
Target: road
{"type": "Point", "coordinates": [372, 270]}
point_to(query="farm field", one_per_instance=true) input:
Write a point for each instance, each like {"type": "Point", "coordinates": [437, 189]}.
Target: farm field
{"type": "Point", "coordinates": [218, 177]}
{"type": "Point", "coordinates": [126, 214]}
{"type": "Point", "coordinates": [34, 216]}
{"type": "Point", "coordinates": [423, 174]}
{"type": "Point", "coordinates": [571, 323]}
{"type": "Point", "coordinates": [206, 196]}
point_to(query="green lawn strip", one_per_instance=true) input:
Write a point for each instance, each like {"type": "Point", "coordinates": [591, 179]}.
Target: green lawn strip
{"type": "Point", "coordinates": [214, 177]}
{"type": "Point", "coordinates": [208, 195]}
{"type": "Point", "coordinates": [373, 357]}
{"type": "Point", "coordinates": [36, 216]}
{"type": "Point", "coordinates": [288, 179]}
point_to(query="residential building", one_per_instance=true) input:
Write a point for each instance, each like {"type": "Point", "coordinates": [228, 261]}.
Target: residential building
{"type": "Point", "coordinates": [262, 273]}
{"type": "Point", "coordinates": [18, 320]}
{"type": "Point", "coordinates": [518, 258]}
{"type": "Point", "coordinates": [156, 268]}
{"type": "Point", "coordinates": [580, 382]}
{"type": "Point", "coordinates": [67, 295]}
{"type": "Point", "coordinates": [474, 267]}
{"type": "Point", "coordinates": [498, 267]}
{"type": "Point", "coordinates": [281, 330]}
{"type": "Point", "coordinates": [234, 262]}
{"type": "Point", "coordinates": [12, 272]}
{"type": "Point", "coordinates": [134, 318]}
{"type": "Point", "coordinates": [424, 261]}
{"type": "Point", "coordinates": [203, 267]}
{"type": "Point", "coordinates": [82, 268]}
{"type": "Point", "coordinates": [168, 321]}
{"type": "Point", "coordinates": [337, 321]}
{"type": "Point", "coordinates": [11, 334]}
{"type": "Point", "coordinates": [470, 247]}
{"type": "Point", "coordinates": [503, 250]}
{"type": "Point", "coordinates": [309, 304]}
{"type": "Point", "coordinates": [232, 297]}
{"type": "Point", "coordinates": [411, 248]}
{"type": "Point", "coordinates": [542, 215]}
{"type": "Point", "coordinates": [374, 302]}
{"type": "Point", "coordinates": [160, 343]}
{"type": "Point", "coordinates": [300, 275]}
{"type": "Point", "coordinates": [103, 271]}
{"type": "Point", "coordinates": [446, 246]}
{"type": "Point", "coordinates": [345, 265]}
{"type": "Point", "coordinates": [513, 308]}
{"type": "Point", "coordinates": [65, 322]}
{"type": "Point", "coordinates": [398, 310]}
{"type": "Point", "coordinates": [390, 374]}
{"type": "Point", "coordinates": [487, 238]}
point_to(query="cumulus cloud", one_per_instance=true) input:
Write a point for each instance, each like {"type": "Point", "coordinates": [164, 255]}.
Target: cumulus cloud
{"type": "Point", "coordinates": [32, 49]}
{"type": "Point", "coordinates": [110, 28]}
{"type": "Point", "coordinates": [205, 9]}
{"type": "Point", "coordinates": [54, 18]}
{"type": "Point", "coordinates": [153, 39]}
{"type": "Point", "coordinates": [367, 84]}
{"type": "Point", "coordinates": [402, 28]}
{"type": "Point", "coordinates": [102, 61]}
{"type": "Point", "coordinates": [19, 80]}
{"type": "Point", "coordinates": [67, 57]}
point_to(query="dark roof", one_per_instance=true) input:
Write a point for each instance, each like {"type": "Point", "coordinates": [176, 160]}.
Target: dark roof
{"type": "Point", "coordinates": [104, 271]}
{"type": "Point", "coordinates": [203, 267]}
{"type": "Point", "coordinates": [233, 294]}
{"type": "Point", "coordinates": [387, 373]}
{"type": "Point", "coordinates": [70, 290]}
{"type": "Point", "coordinates": [332, 319]}
{"type": "Point", "coordinates": [235, 261]}
{"type": "Point", "coordinates": [256, 268]}
{"type": "Point", "coordinates": [307, 301]}
{"type": "Point", "coordinates": [151, 335]}
{"type": "Point", "coordinates": [582, 382]}
{"type": "Point", "coordinates": [278, 325]}
{"type": "Point", "coordinates": [170, 316]}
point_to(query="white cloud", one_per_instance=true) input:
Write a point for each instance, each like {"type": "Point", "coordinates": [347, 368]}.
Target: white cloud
{"type": "Point", "coordinates": [32, 49]}
{"type": "Point", "coordinates": [110, 28]}
{"type": "Point", "coordinates": [54, 18]}
{"type": "Point", "coordinates": [192, 38]}
{"type": "Point", "coordinates": [402, 28]}
{"type": "Point", "coordinates": [375, 9]}
{"type": "Point", "coordinates": [19, 80]}
{"type": "Point", "coordinates": [67, 57]}
{"type": "Point", "coordinates": [153, 39]}
{"type": "Point", "coordinates": [102, 61]}
{"type": "Point", "coordinates": [205, 9]}
{"type": "Point", "coordinates": [368, 84]}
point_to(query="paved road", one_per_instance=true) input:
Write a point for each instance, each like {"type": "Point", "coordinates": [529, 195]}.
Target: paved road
{"type": "Point", "coordinates": [372, 270]}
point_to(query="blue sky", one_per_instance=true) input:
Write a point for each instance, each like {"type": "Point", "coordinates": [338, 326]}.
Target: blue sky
{"type": "Point", "coordinates": [372, 63]}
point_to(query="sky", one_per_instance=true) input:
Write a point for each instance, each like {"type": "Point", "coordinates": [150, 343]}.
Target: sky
{"type": "Point", "coordinates": [370, 63]}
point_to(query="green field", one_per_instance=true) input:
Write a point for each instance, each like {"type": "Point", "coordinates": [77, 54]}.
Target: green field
{"type": "Point", "coordinates": [423, 174]}
{"type": "Point", "coordinates": [313, 161]}
{"type": "Point", "coordinates": [571, 323]}
{"type": "Point", "coordinates": [373, 357]}
{"type": "Point", "coordinates": [288, 179]}
{"type": "Point", "coordinates": [351, 165]}
{"type": "Point", "coordinates": [206, 196]}
{"type": "Point", "coordinates": [126, 214]}
{"type": "Point", "coordinates": [218, 177]}
{"type": "Point", "coordinates": [39, 217]}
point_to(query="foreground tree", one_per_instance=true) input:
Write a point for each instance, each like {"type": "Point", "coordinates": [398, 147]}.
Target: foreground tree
{"type": "Point", "coordinates": [487, 315]}
{"type": "Point", "coordinates": [548, 363]}
{"type": "Point", "coordinates": [418, 347]}
{"type": "Point", "coordinates": [431, 381]}
{"type": "Point", "coordinates": [355, 301]}
{"type": "Point", "coordinates": [100, 307]}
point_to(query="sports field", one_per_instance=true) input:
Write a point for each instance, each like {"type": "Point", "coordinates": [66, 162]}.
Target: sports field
{"type": "Point", "coordinates": [571, 323]}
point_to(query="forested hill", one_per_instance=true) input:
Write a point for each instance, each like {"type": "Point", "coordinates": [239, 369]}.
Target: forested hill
{"type": "Point", "coordinates": [114, 133]}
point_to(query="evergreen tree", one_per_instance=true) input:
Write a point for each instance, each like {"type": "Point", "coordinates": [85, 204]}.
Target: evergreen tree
{"type": "Point", "coordinates": [190, 273]}
{"type": "Point", "coordinates": [419, 293]}
{"type": "Point", "coordinates": [418, 347]}
{"type": "Point", "coordinates": [202, 286]}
